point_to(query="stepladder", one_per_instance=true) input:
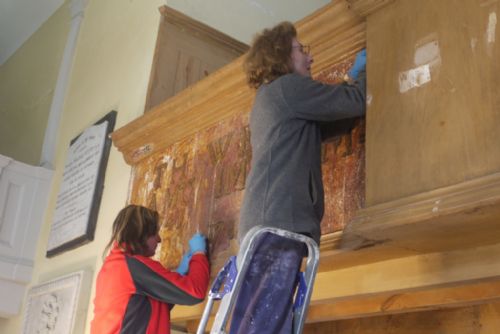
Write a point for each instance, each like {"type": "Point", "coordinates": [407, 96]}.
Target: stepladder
{"type": "Point", "coordinates": [228, 283]}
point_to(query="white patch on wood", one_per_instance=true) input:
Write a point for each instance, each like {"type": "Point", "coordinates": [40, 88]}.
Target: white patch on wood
{"type": "Point", "coordinates": [487, 3]}
{"type": "Point", "coordinates": [473, 43]}
{"type": "Point", "coordinates": [436, 206]}
{"type": "Point", "coordinates": [413, 78]}
{"type": "Point", "coordinates": [492, 25]}
{"type": "Point", "coordinates": [428, 54]}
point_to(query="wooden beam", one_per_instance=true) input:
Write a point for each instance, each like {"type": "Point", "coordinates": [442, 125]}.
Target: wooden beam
{"type": "Point", "coordinates": [397, 303]}
{"type": "Point", "coordinates": [437, 279]}
{"type": "Point", "coordinates": [411, 301]}
{"type": "Point", "coordinates": [411, 273]}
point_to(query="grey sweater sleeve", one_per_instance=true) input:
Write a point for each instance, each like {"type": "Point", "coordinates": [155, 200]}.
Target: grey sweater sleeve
{"type": "Point", "coordinates": [312, 100]}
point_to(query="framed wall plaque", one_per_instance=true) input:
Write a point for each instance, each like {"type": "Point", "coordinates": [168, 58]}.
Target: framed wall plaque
{"type": "Point", "coordinates": [80, 193]}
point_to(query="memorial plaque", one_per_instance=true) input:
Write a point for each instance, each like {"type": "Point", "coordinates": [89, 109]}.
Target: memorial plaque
{"type": "Point", "coordinates": [81, 188]}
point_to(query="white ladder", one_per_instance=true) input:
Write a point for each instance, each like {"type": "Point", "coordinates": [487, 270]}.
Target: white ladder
{"type": "Point", "coordinates": [233, 272]}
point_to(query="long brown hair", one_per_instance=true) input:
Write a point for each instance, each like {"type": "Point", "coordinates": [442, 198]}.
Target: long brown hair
{"type": "Point", "coordinates": [133, 225]}
{"type": "Point", "coordinates": [269, 55]}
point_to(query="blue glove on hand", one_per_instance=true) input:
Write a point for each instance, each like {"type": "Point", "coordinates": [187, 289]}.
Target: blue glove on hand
{"type": "Point", "coordinates": [183, 267]}
{"type": "Point", "coordinates": [197, 244]}
{"type": "Point", "coordinates": [359, 64]}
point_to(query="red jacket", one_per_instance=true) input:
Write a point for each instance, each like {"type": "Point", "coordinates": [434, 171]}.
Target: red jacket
{"type": "Point", "coordinates": [134, 293]}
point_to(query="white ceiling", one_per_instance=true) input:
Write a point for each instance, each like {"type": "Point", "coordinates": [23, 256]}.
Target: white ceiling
{"type": "Point", "coordinates": [19, 19]}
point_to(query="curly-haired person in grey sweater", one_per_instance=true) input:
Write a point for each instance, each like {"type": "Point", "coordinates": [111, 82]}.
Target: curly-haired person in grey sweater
{"type": "Point", "coordinates": [284, 188]}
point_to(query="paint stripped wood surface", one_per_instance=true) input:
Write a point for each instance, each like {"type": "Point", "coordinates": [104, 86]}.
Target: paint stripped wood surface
{"type": "Point", "coordinates": [443, 128]}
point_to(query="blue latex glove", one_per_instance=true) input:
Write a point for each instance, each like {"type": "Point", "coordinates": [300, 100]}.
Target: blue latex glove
{"type": "Point", "coordinates": [197, 244]}
{"type": "Point", "coordinates": [359, 64]}
{"type": "Point", "coordinates": [183, 267]}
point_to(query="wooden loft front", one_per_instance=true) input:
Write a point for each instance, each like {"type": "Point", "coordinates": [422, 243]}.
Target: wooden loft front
{"type": "Point", "coordinates": [424, 234]}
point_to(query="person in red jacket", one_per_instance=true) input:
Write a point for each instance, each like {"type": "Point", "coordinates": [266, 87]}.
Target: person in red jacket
{"type": "Point", "coordinates": [134, 293]}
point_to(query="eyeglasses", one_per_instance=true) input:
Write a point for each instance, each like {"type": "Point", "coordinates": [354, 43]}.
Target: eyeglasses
{"type": "Point", "coordinates": [305, 49]}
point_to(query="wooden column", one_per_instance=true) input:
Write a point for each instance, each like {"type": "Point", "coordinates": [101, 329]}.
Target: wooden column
{"type": "Point", "coordinates": [432, 161]}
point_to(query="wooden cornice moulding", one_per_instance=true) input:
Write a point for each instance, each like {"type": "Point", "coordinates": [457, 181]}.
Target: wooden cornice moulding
{"type": "Point", "coordinates": [460, 216]}
{"type": "Point", "coordinates": [334, 32]}
{"type": "Point", "coordinates": [185, 22]}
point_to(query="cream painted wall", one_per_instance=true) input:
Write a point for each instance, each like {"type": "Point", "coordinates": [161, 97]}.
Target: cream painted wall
{"type": "Point", "coordinates": [110, 72]}
{"type": "Point", "coordinates": [27, 82]}
{"type": "Point", "coordinates": [258, 14]}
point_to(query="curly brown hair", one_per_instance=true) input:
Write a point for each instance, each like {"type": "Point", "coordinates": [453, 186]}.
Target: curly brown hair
{"type": "Point", "coordinates": [269, 55]}
{"type": "Point", "coordinates": [133, 225]}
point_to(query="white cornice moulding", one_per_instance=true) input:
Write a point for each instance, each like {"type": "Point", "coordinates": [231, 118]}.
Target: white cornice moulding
{"type": "Point", "coordinates": [4, 161]}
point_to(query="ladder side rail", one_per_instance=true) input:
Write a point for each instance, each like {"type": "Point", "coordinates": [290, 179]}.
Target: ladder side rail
{"type": "Point", "coordinates": [206, 314]}
{"type": "Point", "coordinates": [243, 261]}
{"type": "Point", "coordinates": [310, 275]}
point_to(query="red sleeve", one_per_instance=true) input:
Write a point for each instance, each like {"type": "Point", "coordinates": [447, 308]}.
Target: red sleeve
{"type": "Point", "coordinates": [152, 279]}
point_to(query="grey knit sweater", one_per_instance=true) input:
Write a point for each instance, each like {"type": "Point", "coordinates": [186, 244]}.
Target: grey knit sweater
{"type": "Point", "coordinates": [284, 188]}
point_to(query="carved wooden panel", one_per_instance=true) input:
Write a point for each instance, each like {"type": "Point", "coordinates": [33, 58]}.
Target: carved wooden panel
{"type": "Point", "coordinates": [186, 52]}
{"type": "Point", "coordinates": [197, 184]}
